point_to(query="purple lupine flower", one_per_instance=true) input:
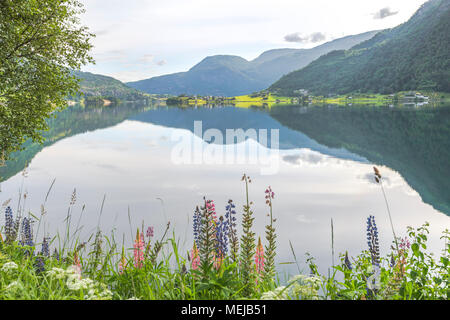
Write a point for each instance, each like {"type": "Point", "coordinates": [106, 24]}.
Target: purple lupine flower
{"type": "Point", "coordinates": [347, 262]}
{"type": "Point", "coordinates": [39, 265]}
{"type": "Point", "coordinates": [230, 216]}
{"type": "Point", "coordinates": [392, 263]}
{"type": "Point", "coordinates": [230, 213]}
{"type": "Point", "coordinates": [372, 241]}
{"type": "Point", "coordinates": [197, 224]}
{"type": "Point", "coordinates": [373, 281]}
{"type": "Point", "coordinates": [404, 244]}
{"type": "Point", "coordinates": [45, 250]}
{"type": "Point", "coordinates": [11, 226]}
{"type": "Point", "coordinates": [222, 232]}
{"type": "Point", "coordinates": [9, 223]}
{"type": "Point", "coordinates": [269, 195]}
{"type": "Point", "coordinates": [27, 232]}
{"type": "Point", "coordinates": [150, 232]}
{"type": "Point", "coordinates": [56, 254]}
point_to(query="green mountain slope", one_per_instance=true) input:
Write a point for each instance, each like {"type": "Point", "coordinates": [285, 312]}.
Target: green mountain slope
{"type": "Point", "coordinates": [226, 75]}
{"type": "Point", "coordinates": [95, 85]}
{"type": "Point", "coordinates": [414, 55]}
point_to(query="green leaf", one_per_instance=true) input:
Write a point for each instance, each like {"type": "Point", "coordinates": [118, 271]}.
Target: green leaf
{"type": "Point", "coordinates": [415, 249]}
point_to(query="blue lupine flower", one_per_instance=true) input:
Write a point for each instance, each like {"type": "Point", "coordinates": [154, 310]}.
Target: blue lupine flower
{"type": "Point", "coordinates": [45, 250]}
{"type": "Point", "coordinates": [372, 241]}
{"type": "Point", "coordinates": [222, 232]}
{"type": "Point", "coordinates": [11, 226]}
{"type": "Point", "coordinates": [230, 216]}
{"type": "Point", "coordinates": [392, 261]}
{"type": "Point", "coordinates": [56, 254]}
{"type": "Point", "coordinates": [373, 281]}
{"type": "Point", "coordinates": [39, 265]}
{"type": "Point", "coordinates": [230, 213]}
{"type": "Point", "coordinates": [27, 233]}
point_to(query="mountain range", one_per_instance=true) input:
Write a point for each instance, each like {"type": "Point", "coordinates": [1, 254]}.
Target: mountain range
{"type": "Point", "coordinates": [412, 56]}
{"type": "Point", "coordinates": [227, 75]}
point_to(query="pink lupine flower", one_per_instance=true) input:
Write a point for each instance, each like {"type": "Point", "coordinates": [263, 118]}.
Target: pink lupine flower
{"type": "Point", "coordinates": [76, 265]}
{"type": "Point", "coordinates": [211, 207]}
{"type": "Point", "coordinates": [404, 244]}
{"type": "Point", "coordinates": [195, 258]}
{"type": "Point", "coordinates": [259, 257]}
{"type": "Point", "coordinates": [139, 247]}
{"type": "Point", "coordinates": [269, 195]}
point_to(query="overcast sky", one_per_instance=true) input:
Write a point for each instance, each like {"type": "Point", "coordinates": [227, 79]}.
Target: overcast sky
{"type": "Point", "coordinates": [139, 39]}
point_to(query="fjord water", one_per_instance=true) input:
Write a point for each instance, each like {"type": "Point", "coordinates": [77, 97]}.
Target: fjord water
{"type": "Point", "coordinates": [323, 171]}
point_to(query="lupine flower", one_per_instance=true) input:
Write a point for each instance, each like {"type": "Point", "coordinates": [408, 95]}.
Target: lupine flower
{"type": "Point", "coordinates": [197, 225]}
{"type": "Point", "coordinates": [27, 233]}
{"type": "Point", "coordinates": [347, 262]}
{"type": "Point", "coordinates": [269, 194]}
{"type": "Point", "coordinates": [404, 244]}
{"type": "Point", "coordinates": [392, 262]}
{"type": "Point", "coordinates": [139, 247]}
{"type": "Point", "coordinates": [230, 216]}
{"type": "Point", "coordinates": [55, 254]}
{"type": "Point", "coordinates": [222, 231]}
{"type": "Point", "coordinates": [39, 265]}
{"type": "Point", "coordinates": [372, 241]}
{"type": "Point", "coordinates": [259, 257]}
{"type": "Point", "coordinates": [230, 213]}
{"type": "Point", "coordinates": [211, 207]}
{"type": "Point", "coordinates": [150, 232]}
{"type": "Point", "coordinates": [45, 251]}
{"type": "Point", "coordinates": [76, 267]}
{"type": "Point", "coordinates": [11, 226]}
{"type": "Point", "coordinates": [195, 258]}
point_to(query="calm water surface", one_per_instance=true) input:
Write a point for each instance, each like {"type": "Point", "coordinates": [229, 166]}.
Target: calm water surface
{"type": "Point", "coordinates": [324, 172]}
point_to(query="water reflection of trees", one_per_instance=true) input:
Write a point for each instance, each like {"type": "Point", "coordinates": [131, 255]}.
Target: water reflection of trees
{"type": "Point", "coordinates": [69, 122]}
{"type": "Point", "coordinates": [414, 142]}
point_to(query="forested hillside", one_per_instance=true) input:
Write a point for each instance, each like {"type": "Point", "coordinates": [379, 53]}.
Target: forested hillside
{"type": "Point", "coordinates": [95, 85]}
{"type": "Point", "coordinates": [414, 55]}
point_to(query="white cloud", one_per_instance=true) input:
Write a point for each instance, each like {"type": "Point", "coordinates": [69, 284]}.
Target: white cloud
{"type": "Point", "coordinates": [310, 38]}
{"type": "Point", "coordinates": [384, 13]}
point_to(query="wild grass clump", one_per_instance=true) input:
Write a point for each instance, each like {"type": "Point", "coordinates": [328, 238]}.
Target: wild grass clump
{"type": "Point", "coordinates": [227, 261]}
